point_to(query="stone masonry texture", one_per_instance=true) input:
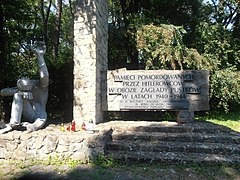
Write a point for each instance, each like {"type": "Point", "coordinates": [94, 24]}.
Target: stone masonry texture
{"type": "Point", "coordinates": [90, 61]}
{"type": "Point", "coordinates": [51, 142]}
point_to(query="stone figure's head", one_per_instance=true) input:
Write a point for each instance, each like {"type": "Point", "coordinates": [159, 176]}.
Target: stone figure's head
{"type": "Point", "coordinates": [24, 84]}
{"type": "Point", "coordinates": [38, 47]}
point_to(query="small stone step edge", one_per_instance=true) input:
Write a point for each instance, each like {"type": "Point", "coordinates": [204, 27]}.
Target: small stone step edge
{"type": "Point", "coordinates": [177, 129]}
{"type": "Point", "coordinates": [181, 137]}
{"type": "Point", "coordinates": [174, 157]}
{"type": "Point", "coordinates": [209, 148]}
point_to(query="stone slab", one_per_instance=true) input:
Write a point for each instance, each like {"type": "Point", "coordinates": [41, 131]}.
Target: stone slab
{"type": "Point", "coordinates": [158, 90]}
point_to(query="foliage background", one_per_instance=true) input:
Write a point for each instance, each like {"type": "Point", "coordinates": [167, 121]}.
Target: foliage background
{"type": "Point", "coordinates": [153, 34]}
{"type": "Point", "coordinates": [182, 34]}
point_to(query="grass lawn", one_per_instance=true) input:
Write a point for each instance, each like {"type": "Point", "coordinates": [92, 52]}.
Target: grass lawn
{"type": "Point", "coordinates": [230, 120]}
{"type": "Point", "coordinates": [108, 169]}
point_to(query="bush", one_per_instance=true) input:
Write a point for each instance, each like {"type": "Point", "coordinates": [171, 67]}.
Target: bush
{"type": "Point", "coordinates": [162, 47]}
{"type": "Point", "coordinates": [225, 90]}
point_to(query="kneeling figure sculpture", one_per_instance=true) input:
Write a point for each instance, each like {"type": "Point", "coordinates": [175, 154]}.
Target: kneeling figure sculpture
{"type": "Point", "coordinates": [29, 97]}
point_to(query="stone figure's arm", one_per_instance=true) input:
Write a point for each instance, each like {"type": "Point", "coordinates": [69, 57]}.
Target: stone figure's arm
{"type": "Point", "coordinates": [8, 91]}
{"type": "Point", "coordinates": [44, 75]}
{"type": "Point", "coordinates": [40, 50]}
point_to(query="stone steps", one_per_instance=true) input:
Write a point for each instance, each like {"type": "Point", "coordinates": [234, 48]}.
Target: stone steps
{"type": "Point", "coordinates": [178, 128]}
{"type": "Point", "coordinates": [200, 142]}
{"type": "Point", "coordinates": [181, 137]}
{"type": "Point", "coordinates": [165, 146]}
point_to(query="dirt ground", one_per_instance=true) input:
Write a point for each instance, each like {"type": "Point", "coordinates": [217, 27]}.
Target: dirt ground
{"type": "Point", "coordinates": [29, 170]}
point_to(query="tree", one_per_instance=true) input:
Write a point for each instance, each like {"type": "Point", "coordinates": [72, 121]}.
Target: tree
{"type": "Point", "coordinates": [225, 12]}
{"type": "Point", "coordinates": [25, 21]}
{"type": "Point", "coordinates": [15, 20]}
{"type": "Point", "coordinates": [151, 35]}
{"type": "Point", "coordinates": [45, 7]}
{"type": "Point", "coordinates": [162, 47]}
{"type": "Point", "coordinates": [57, 29]}
{"type": "Point", "coordinates": [1, 39]}
{"type": "Point", "coordinates": [130, 15]}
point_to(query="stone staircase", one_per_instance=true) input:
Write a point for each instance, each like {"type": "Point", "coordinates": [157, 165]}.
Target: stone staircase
{"type": "Point", "coordinates": [170, 142]}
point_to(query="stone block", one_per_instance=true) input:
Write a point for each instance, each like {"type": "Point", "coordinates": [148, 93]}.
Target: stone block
{"type": "Point", "coordinates": [62, 148]}
{"type": "Point", "coordinates": [20, 154]}
{"type": "Point", "coordinates": [2, 153]}
{"type": "Point", "coordinates": [64, 140]}
{"type": "Point", "coordinates": [31, 144]}
{"type": "Point", "coordinates": [185, 116]}
{"type": "Point", "coordinates": [80, 155]}
{"type": "Point", "coordinates": [75, 147]}
{"type": "Point", "coordinates": [50, 144]}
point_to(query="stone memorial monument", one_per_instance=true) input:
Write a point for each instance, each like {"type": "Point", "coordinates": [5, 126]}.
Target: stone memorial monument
{"type": "Point", "coordinates": [29, 97]}
{"type": "Point", "coordinates": [184, 91]}
{"type": "Point", "coordinates": [90, 61]}
{"type": "Point", "coordinates": [98, 90]}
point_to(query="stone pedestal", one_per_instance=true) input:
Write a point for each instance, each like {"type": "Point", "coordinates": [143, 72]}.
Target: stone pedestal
{"type": "Point", "coordinates": [90, 61]}
{"type": "Point", "coordinates": [50, 142]}
{"type": "Point", "coordinates": [185, 116]}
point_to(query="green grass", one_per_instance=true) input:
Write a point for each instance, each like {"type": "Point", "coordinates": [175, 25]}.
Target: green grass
{"type": "Point", "coordinates": [107, 169]}
{"type": "Point", "coordinates": [183, 171]}
{"type": "Point", "coordinates": [230, 120]}
{"type": "Point", "coordinates": [171, 171]}
{"type": "Point", "coordinates": [228, 123]}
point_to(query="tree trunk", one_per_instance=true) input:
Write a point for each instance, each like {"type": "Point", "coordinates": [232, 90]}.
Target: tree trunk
{"type": "Point", "coordinates": [57, 29]}
{"type": "Point", "coordinates": [1, 39]}
{"type": "Point", "coordinates": [236, 24]}
{"type": "Point", "coordinates": [1, 57]}
{"type": "Point", "coordinates": [45, 19]}
{"type": "Point", "coordinates": [131, 50]}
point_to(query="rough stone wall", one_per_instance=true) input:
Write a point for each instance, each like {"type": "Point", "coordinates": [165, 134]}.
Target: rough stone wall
{"type": "Point", "coordinates": [90, 60]}
{"type": "Point", "coordinates": [51, 142]}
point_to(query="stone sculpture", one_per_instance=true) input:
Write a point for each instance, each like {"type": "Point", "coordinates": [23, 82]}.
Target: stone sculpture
{"type": "Point", "coordinates": [29, 97]}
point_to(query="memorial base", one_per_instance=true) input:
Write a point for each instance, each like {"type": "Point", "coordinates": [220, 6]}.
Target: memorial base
{"type": "Point", "coordinates": [185, 116]}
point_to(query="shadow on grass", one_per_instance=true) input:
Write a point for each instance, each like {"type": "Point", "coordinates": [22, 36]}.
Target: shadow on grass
{"type": "Point", "coordinates": [143, 172]}
{"type": "Point", "coordinates": [81, 172]}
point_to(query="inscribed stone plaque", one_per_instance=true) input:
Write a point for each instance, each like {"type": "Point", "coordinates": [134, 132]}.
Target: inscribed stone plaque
{"type": "Point", "coordinates": [158, 90]}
